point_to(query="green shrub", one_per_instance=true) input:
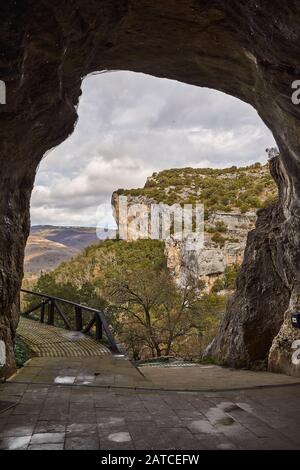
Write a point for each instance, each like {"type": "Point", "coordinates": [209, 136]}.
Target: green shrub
{"type": "Point", "coordinates": [221, 226]}
{"type": "Point", "coordinates": [218, 239]}
{"type": "Point", "coordinates": [218, 286]}
{"type": "Point", "coordinates": [230, 276]}
{"type": "Point", "coordinates": [246, 190]}
{"type": "Point", "coordinates": [22, 352]}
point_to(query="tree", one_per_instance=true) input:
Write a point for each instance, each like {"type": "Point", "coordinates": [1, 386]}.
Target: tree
{"type": "Point", "coordinates": [148, 312]}
{"type": "Point", "coordinates": [155, 308]}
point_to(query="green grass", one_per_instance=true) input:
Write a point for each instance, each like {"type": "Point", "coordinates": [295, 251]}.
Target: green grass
{"type": "Point", "coordinates": [22, 352]}
{"type": "Point", "coordinates": [207, 361]}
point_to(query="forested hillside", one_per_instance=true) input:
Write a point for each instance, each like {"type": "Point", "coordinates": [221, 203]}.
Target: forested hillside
{"type": "Point", "coordinates": [154, 304]}
{"type": "Point", "coordinates": [149, 313]}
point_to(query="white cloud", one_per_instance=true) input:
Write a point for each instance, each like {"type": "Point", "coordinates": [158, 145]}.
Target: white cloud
{"type": "Point", "coordinates": [131, 125]}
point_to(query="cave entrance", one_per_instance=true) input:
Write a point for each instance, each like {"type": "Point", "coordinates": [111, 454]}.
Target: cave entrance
{"type": "Point", "coordinates": [172, 143]}
{"type": "Point", "coordinates": [249, 50]}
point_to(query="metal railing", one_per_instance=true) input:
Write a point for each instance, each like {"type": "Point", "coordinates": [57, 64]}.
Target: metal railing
{"type": "Point", "coordinates": [50, 305]}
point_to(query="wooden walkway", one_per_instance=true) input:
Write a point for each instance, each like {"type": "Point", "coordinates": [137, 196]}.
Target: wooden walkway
{"type": "Point", "coordinates": [49, 341]}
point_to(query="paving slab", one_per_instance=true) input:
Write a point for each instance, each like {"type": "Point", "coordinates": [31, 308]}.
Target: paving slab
{"type": "Point", "coordinates": [212, 377]}
{"type": "Point", "coordinates": [261, 411]}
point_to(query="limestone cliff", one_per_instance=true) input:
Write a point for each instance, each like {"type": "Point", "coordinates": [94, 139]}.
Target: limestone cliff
{"type": "Point", "coordinates": [226, 194]}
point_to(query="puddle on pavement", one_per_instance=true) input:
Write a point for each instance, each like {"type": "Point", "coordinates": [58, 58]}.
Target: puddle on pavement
{"type": "Point", "coordinates": [245, 407]}
{"type": "Point", "coordinates": [15, 443]}
{"type": "Point", "coordinates": [226, 421]}
{"type": "Point", "coordinates": [218, 416]}
{"type": "Point", "coordinates": [64, 380]}
{"type": "Point", "coordinates": [119, 437]}
{"type": "Point", "coordinates": [84, 379]}
{"type": "Point", "coordinates": [110, 421]}
{"type": "Point", "coordinates": [202, 426]}
{"type": "Point", "coordinates": [229, 406]}
{"type": "Point", "coordinates": [215, 415]}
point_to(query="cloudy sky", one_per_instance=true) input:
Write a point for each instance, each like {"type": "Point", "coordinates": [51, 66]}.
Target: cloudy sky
{"type": "Point", "coordinates": [131, 125]}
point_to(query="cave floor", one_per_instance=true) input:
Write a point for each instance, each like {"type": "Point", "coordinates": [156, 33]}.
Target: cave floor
{"type": "Point", "coordinates": [106, 403]}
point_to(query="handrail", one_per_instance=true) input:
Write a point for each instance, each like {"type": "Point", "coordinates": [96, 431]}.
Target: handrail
{"type": "Point", "coordinates": [59, 299]}
{"type": "Point", "coordinates": [98, 318]}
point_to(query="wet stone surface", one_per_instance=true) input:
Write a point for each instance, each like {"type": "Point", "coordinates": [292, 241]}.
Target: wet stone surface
{"type": "Point", "coordinates": [56, 416]}
{"type": "Point", "coordinates": [122, 419]}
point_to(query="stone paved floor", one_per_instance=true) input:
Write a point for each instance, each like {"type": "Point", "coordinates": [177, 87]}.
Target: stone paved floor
{"type": "Point", "coordinates": [112, 370]}
{"type": "Point", "coordinates": [212, 377]}
{"type": "Point", "coordinates": [78, 414]}
{"type": "Point", "coordinates": [78, 417]}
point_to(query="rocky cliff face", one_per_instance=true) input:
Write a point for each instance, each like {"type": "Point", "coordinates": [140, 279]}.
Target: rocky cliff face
{"type": "Point", "coordinates": [225, 231]}
{"type": "Point", "coordinates": [264, 297]}
{"type": "Point", "coordinates": [260, 308]}
{"type": "Point", "coordinates": [207, 264]}
{"type": "Point", "coordinates": [249, 49]}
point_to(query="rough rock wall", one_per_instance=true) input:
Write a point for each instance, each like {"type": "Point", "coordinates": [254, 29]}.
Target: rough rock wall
{"type": "Point", "coordinates": [207, 264]}
{"type": "Point", "coordinates": [249, 49]}
{"type": "Point", "coordinates": [255, 313]}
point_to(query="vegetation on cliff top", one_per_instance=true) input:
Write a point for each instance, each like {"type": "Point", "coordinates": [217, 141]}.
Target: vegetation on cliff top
{"type": "Point", "coordinates": [228, 189]}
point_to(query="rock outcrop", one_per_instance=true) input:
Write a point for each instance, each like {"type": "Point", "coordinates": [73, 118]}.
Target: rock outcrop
{"type": "Point", "coordinates": [255, 314]}
{"type": "Point", "coordinates": [249, 49]}
{"type": "Point", "coordinates": [208, 264]}
{"type": "Point", "coordinates": [225, 231]}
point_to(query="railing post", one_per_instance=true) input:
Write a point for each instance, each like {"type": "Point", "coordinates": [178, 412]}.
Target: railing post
{"type": "Point", "coordinates": [43, 312]}
{"type": "Point", "coordinates": [62, 315]}
{"type": "Point", "coordinates": [98, 327]}
{"type": "Point", "coordinates": [51, 312]}
{"type": "Point", "coordinates": [78, 318]}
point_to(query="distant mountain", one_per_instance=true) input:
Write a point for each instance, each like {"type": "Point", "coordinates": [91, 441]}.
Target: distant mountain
{"type": "Point", "coordinates": [49, 245]}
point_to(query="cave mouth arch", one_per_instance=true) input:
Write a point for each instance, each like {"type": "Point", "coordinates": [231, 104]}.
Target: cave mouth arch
{"type": "Point", "coordinates": [127, 119]}
{"type": "Point", "coordinates": [248, 50]}
{"type": "Point", "coordinates": [141, 124]}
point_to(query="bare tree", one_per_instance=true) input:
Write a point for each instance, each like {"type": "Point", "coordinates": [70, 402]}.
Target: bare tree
{"type": "Point", "coordinates": [158, 311]}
